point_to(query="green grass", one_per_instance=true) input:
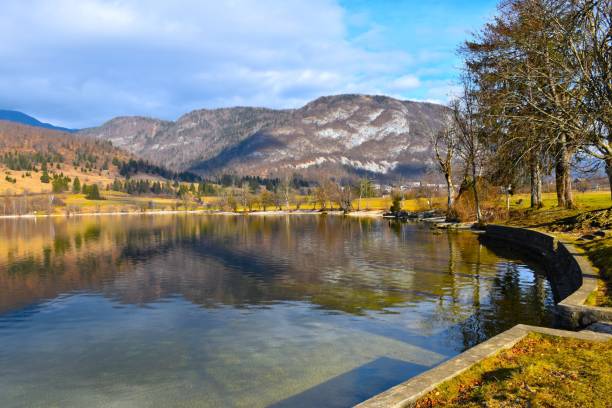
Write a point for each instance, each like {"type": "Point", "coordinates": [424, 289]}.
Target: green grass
{"type": "Point", "coordinates": [522, 215]}
{"type": "Point", "coordinates": [587, 200]}
{"type": "Point", "coordinates": [539, 371]}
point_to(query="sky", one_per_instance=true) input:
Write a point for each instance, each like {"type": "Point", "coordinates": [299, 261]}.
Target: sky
{"type": "Point", "coordinates": [78, 63]}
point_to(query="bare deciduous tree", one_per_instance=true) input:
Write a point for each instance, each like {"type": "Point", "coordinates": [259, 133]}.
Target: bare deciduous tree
{"type": "Point", "coordinates": [469, 136]}
{"type": "Point", "coordinates": [444, 144]}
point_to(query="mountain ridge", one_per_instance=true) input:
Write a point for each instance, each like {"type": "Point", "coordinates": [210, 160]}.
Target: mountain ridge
{"type": "Point", "coordinates": [25, 119]}
{"type": "Point", "coordinates": [342, 135]}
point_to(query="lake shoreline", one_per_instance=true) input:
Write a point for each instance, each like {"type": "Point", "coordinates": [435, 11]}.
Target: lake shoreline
{"type": "Point", "coordinates": [365, 214]}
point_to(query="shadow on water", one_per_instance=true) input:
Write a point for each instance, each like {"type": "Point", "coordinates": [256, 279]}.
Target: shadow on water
{"type": "Point", "coordinates": [517, 253]}
{"type": "Point", "coordinates": [354, 386]}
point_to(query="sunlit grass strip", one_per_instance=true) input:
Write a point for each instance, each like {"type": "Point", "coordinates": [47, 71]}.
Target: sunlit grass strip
{"type": "Point", "coordinates": [540, 370]}
{"type": "Point", "coordinates": [599, 253]}
{"type": "Point", "coordinates": [586, 200]}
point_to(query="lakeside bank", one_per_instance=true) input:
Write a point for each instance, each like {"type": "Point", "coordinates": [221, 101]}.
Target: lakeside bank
{"type": "Point", "coordinates": [375, 214]}
{"type": "Point", "coordinates": [574, 281]}
{"type": "Point", "coordinates": [435, 222]}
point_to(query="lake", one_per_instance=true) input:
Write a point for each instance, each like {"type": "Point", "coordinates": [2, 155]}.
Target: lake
{"type": "Point", "coordinates": [248, 311]}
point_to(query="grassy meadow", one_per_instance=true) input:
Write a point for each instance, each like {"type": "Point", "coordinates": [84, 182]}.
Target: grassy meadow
{"type": "Point", "coordinates": [28, 182]}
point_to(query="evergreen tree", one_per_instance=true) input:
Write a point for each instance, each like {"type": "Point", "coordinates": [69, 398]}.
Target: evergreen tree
{"type": "Point", "coordinates": [76, 186]}
{"type": "Point", "coordinates": [60, 183]}
{"type": "Point", "coordinates": [117, 185]}
{"type": "Point", "coordinates": [45, 176]}
{"type": "Point", "coordinates": [93, 193]}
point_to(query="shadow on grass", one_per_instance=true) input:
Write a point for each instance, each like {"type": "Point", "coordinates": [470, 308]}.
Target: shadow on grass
{"type": "Point", "coordinates": [565, 220]}
{"type": "Point", "coordinates": [500, 374]}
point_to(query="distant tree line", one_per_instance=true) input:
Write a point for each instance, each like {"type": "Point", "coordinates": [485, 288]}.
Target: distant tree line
{"type": "Point", "coordinates": [86, 159]}
{"type": "Point", "coordinates": [167, 187]}
{"type": "Point", "coordinates": [133, 167]}
{"type": "Point", "coordinates": [228, 180]}
{"type": "Point", "coordinates": [29, 161]}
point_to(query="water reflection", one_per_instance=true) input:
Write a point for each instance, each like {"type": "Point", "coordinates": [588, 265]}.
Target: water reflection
{"type": "Point", "coordinates": [327, 303]}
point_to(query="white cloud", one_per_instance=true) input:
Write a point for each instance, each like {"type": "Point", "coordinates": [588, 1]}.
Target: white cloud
{"type": "Point", "coordinates": [405, 82]}
{"type": "Point", "coordinates": [84, 61]}
{"type": "Point", "coordinates": [441, 90]}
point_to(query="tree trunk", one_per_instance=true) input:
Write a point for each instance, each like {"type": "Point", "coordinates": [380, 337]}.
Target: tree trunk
{"type": "Point", "coordinates": [563, 177]}
{"type": "Point", "coordinates": [450, 192]}
{"type": "Point", "coordinates": [559, 184]}
{"type": "Point", "coordinates": [536, 184]}
{"type": "Point", "coordinates": [475, 189]}
{"type": "Point", "coordinates": [567, 180]}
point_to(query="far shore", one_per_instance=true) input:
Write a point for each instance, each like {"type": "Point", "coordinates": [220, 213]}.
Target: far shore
{"type": "Point", "coordinates": [364, 213]}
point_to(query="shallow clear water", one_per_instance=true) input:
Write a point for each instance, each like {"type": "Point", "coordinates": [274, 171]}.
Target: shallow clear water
{"type": "Point", "coordinates": [191, 310]}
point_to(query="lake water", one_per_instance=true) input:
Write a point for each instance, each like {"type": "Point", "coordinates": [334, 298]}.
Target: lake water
{"type": "Point", "coordinates": [223, 311]}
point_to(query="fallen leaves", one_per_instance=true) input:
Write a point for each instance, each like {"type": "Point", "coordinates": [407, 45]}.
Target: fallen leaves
{"type": "Point", "coordinates": [540, 371]}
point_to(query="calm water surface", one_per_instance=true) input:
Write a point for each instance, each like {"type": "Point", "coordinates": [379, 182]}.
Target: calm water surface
{"type": "Point", "coordinates": [191, 310]}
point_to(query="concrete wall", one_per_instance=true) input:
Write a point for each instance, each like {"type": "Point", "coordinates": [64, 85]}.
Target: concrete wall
{"type": "Point", "coordinates": [571, 275]}
{"type": "Point", "coordinates": [572, 278]}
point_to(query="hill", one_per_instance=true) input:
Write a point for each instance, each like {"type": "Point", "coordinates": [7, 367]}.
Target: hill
{"type": "Point", "coordinates": [340, 135]}
{"type": "Point", "coordinates": [22, 118]}
{"type": "Point", "coordinates": [25, 150]}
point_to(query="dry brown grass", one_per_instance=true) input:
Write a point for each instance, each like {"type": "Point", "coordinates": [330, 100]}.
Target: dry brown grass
{"type": "Point", "coordinates": [539, 371]}
{"type": "Point", "coordinates": [32, 185]}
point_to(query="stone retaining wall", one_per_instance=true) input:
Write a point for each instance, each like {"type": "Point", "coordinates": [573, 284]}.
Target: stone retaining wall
{"type": "Point", "coordinates": [571, 275]}
{"type": "Point", "coordinates": [573, 280]}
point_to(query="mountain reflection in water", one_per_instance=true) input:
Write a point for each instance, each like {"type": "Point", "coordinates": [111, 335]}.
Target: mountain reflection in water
{"type": "Point", "coordinates": [236, 311]}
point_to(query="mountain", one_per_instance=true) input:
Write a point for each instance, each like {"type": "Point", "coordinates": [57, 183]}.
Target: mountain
{"type": "Point", "coordinates": [20, 117]}
{"type": "Point", "coordinates": [24, 147]}
{"type": "Point", "coordinates": [340, 135]}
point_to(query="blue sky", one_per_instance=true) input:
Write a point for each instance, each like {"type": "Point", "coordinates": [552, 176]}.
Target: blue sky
{"type": "Point", "coordinates": [78, 63]}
